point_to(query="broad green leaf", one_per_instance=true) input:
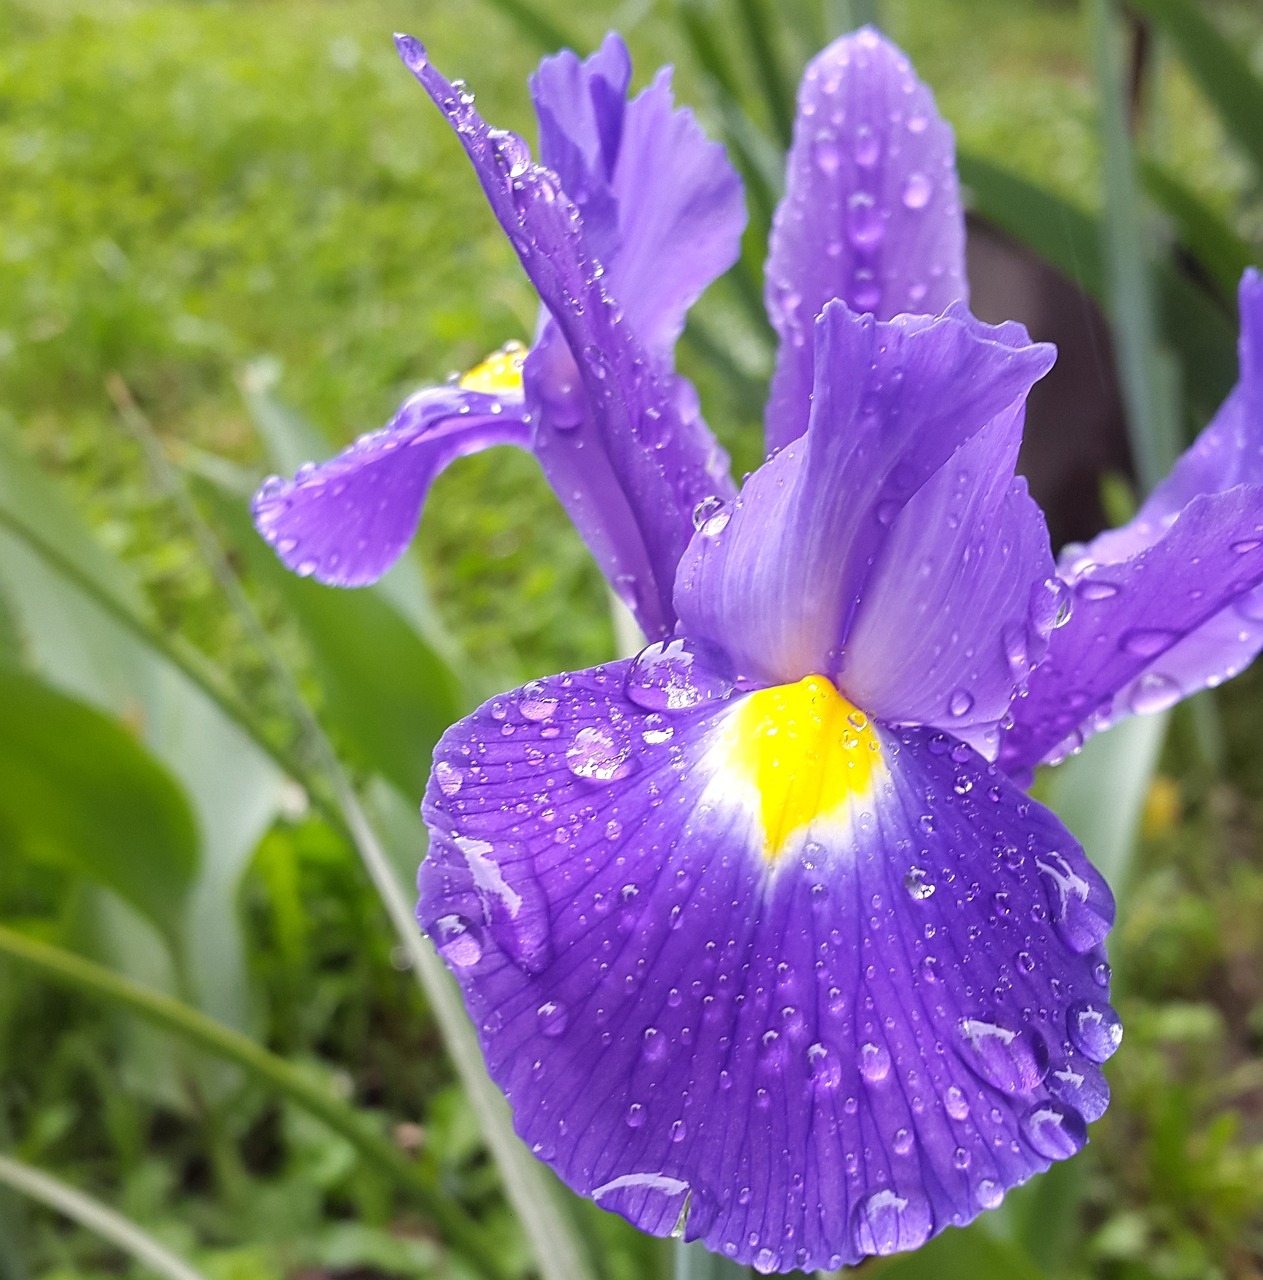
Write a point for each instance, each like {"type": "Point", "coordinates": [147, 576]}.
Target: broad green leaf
{"type": "Point", "coordinates": [1100, 793]}
{"type": "Point", "coordinates": [1206, 236]}
{"type": "Point", "coordinates": [386, 692]}
{"type": "Point", "coordinates": [1152, 428]}
{"type": "Point", "coordinates": [78, 786]}
{"type": "Point", "coordinates": [1223, 73]}
{"type": "Point", "coordinates": [82, 647]}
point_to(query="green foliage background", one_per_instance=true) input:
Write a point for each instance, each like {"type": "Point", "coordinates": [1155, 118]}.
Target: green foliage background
{"type": "Point", "coordinates": [215, 212]}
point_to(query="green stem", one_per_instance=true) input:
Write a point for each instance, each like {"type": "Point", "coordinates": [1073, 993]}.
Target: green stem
{"type": "Point", "coordinates": [182, 1020]}
{"type": "Point", "coordinates": [558, 1252]}
{"type": "Point", "coordinates": [96, 1217]}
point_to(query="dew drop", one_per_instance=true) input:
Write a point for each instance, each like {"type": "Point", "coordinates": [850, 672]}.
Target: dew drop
{"type": "Point", "coordinates": [537, 701]}
{"type": "Point", "coordinates": [1152, 693]}
{"type": "Point", "coordinates": [1148, 642]}
{"type": "Point", "coordinates": [917, 191]}
{"type": "Point", "coordinates": [955, 1103]}
{"type": "Point", "coordinates": [1096, 589]}
{"type": "Point", "coordinates": [1055, 1129]}
{"type": "Point", "coordinates": [458, 940]}
{"type": "Point", "coordinates": [553, 1017]}
{"type": "Point", "coordinates": [449, 777]}
{"type": "Point", "coordinates": [597, 755]}
{"type": "Point", "coordinates": [675, 675]}
{"type": "Point", "coordinates": [989, 1193]}
{"type": "Point", "coordinates": [874, 1062]}
{"type": "Point", "coordinates": [1095, 1029]}
{"type": "Point", "coordinates": [826, 1070]}
{"type": "Point", "coordinates": [706, 511]}
{"type": "Point", "coordinates": [961, 703]}
{"type": "Point", "coordinates": [1012, 1061]}
{"type": "Point", "coordinates": [886, 1222]}
{"type": "Point", "coordinates": [635, 1115]}
{"type": "Point", "coordinates": [918, 884]}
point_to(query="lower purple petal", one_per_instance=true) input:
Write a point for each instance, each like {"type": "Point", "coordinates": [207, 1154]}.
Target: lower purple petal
{"type": "Point", "coordinates": [807, 1060]}
{"type": "Point", "coordinates": [346, 521]}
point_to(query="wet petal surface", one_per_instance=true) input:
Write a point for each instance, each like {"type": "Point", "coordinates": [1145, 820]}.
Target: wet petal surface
{"type": "Point", "coordinates": [1147, 631]}
{"type": "Point", "coordinates": [627, 423]}
{"type": "Point", "coordinates": [346, 521]}
{"type": "Point", "coordinates": [871, 213]}
{"type": "Point", "coordinates": [777, 578]}
{"type": "Point", "coordinates": [805, 1058]}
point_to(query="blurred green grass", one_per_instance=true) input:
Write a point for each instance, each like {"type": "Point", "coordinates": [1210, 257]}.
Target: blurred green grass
{"type": "Point", "coordinates": [185, 187]}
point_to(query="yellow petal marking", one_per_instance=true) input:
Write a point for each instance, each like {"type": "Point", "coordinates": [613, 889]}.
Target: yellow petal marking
{"type": "Point", "coordinates": [804, 752]}
{"type": "Point", "coordinates": [499, 374]}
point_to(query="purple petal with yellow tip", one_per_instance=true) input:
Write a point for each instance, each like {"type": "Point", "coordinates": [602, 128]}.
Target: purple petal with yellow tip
{"type": "Point", "coordinates": [628, 424]}
{"type": "Point", "coordinates": [754, 967]}
{"type": "Point", "coordinates": [871, 212]}
{"type": "Point", "coordinates": [779, 579]}
{"type": "Point", "coordinates": [346, 521]}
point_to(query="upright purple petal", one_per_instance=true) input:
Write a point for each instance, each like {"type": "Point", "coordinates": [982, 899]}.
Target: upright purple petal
{"type": "Point", "coordinates": [1137, 640]}
{"type": "Point", "coordinates": [959, 605]}
{"type": "Point", "coordinates": [662, 208]}
{"type": "Point", "coordinates": [871, 212]}
{"type": "Point", "coordinates": [777, 579]}
{"type": "Point", "coordinates": [632, 426]}
{"type": "Point", "coordinates": [805, 1054]}
{"type": "Point", "coordinates": [346, 521]}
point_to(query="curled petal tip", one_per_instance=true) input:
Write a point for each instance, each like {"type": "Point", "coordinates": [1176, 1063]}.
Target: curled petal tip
{"type": "Point", "coordinates": [411, 50]}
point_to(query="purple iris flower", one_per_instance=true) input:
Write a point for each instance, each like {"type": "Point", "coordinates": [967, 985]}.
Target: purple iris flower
{"type": "Point", "coordinates": [764, 941]}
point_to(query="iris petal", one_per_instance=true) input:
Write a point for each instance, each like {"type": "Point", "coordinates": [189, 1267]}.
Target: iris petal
{"type": "Point", "coordinates": [871, 212]}
{"type": "Point", "coordinates": [1169, 603]}
{"type": "Point", "coordinates": [777, 578]}
{"type": "Point", "coordinates": [627, 422]}
{"type": "Point", "coordinates": [1146, 632]}
{"type": "Point", "coordinates": [806, 1059]}
{"type": "Point", "coordinates": [346, 521]}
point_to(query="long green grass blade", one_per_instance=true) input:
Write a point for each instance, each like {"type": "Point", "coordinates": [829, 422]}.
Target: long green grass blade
{"type": "Point", "coordinates": [1151, 427]}
{"type": "Point", "coordinates": [558, 1252]}
{"type": "Point", "coordinates": [97, 1218]}
{"type": "Point", "coordinates": [760, 28]}
{"type": "Point", "coordinates": [1207, 237]}
{"type": "Point", "coordinates": [1223, 73]}
{"type": "Point", "coordinates": [182, 1020]}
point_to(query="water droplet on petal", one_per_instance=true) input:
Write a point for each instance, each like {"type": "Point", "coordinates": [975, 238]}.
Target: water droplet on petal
{"type": "Point", "coordinates": [874, 1062]}
{"type": "Point", "coordinates": [1096, 589]}
{"type": "Point", "coordinates": [458, 940]}
{"type": "Point", "coordinates": [961, 703]}
{"type": "Point", "coordinates": [826, 1070]}
{"type": "Point", "coordinates": [675, 675]}
{"type": "Point", "coordinates": [553, 1017]}
{"type": "Point", "coordinates": [918, 884]}
{"type": "Point", "coordinates": [1153, 692]}
{"type": "Point", "coordinates": [706, 510]}
{"type": "Point", "coordinates": [955, 1103]}
{"type": "Point", "coordinates": [1148, 642]}
{"type": "Point", "coordinates": [1095, 1028]}
{"type": "Point", "coordinates": [598, 755]}
{"type": "Point", "coordinates": [1055, 1129]}
{"type": "Point", "coordinates": [537, 701]}
{"type": "Point", "coordinates": [449, 777]}
{"type": "Point", "coordinates": [886, 1222]}
{"type": "Point", "coordinates": [635, 1115]}
{"type": "Point", "coordinates": [1011, 1060]}
{"type": "Point", "coordinates": [1081, 909]}
{"type": "Point", "coordinates": [917, 191]}
{"type": "Point", "coordinates": [989, 1193]}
